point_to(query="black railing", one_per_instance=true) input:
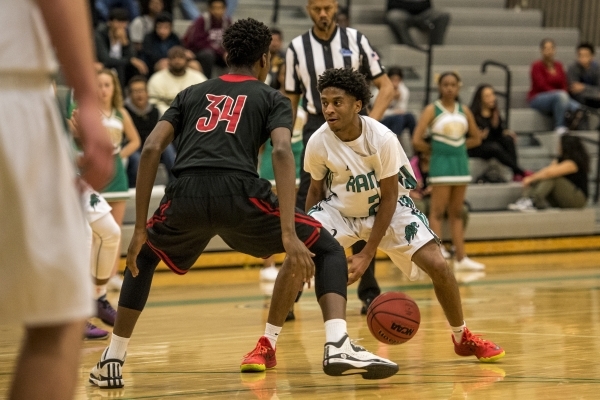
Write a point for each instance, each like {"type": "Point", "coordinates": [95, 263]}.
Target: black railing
{"type": "Point", "coordinates": [506, 93]}
{"type": "Point", "coordinates": [596, 112]}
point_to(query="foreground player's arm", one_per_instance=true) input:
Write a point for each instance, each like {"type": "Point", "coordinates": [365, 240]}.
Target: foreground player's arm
{"type": "Point", "coordinates": [284, 168]}
{"type": "Point", "coordinates": [474, 134]}
{"type": "Point", "coordinates": [316, 193]}
{"type": "Point", "coordinates": [387, 207]}
{"type": "Point", "coordinates": [160, 137]}
{"type": "Point", "coordinates": [418, 141]}
{"type": "Point", "coordinates": [68, 24]}
{"type": "Point", "coordinates": [384, 97]}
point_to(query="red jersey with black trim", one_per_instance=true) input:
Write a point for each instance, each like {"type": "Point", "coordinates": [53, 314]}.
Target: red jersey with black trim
{"type": "Point", "coordinates": [223, 122]}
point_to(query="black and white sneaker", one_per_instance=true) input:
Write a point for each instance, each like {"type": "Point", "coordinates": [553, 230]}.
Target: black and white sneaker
{"type": "Point", "coordinates": [346, 358]}
{"type": "Point", "coordinates": [107, 373]}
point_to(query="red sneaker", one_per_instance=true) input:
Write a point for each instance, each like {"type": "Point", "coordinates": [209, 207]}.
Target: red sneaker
{"type": "Point", "coordinates": [474, 345]}
{"type": "Point", "coordinates": [261, 358]}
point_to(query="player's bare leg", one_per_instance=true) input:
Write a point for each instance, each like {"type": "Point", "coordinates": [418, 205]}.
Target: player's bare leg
{"type": "Point", "coordinates": [284, 293]}
{"type": "Point", "coordinates": [53, 351]}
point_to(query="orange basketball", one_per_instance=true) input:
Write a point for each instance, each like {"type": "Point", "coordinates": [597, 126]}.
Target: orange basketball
{"type": "Point", "coordinates": [393, 318]}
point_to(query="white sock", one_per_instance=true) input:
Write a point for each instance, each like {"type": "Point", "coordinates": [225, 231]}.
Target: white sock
{"type": "Point", "coordinates": [117, 347]}
{"type": "Point", "coordinates": [99, 291]}
{"type": "Point", "coordinates": [272, 333]}
{"type": "Point", "coordinates": [335, 329]}
{"type": "Point", "coordinates": [457, 331]}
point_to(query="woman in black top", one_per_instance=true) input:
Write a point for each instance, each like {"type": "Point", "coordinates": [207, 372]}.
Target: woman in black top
{"type": "Point", "coordinates": [498, 142]}
{"type": "Point", "coordinates": [562, 184]}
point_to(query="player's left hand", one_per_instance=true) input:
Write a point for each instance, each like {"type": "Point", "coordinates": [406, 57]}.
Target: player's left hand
{"type": "Point", "coordinates": [357, 265]}
{"type": "Point", "coordinates": [137, 241]}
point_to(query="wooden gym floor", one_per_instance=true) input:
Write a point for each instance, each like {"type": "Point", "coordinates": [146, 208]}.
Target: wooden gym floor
{"type": "Point", "coordinates": [544, 309]}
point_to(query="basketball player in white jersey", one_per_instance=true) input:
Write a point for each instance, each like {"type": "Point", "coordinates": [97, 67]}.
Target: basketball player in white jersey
{"type": "Point", "coordinates": [44, 260]}
{"type": "Point", "coordinates": [360, 181]}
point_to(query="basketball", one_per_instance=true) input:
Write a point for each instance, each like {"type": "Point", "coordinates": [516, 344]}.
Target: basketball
{"type": "Point", "coordinates": [393, 318]}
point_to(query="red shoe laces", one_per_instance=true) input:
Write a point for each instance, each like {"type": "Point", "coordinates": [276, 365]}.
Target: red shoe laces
{"type": "Point", "coordinates": [259, 349]}
{"type": "Point", "coordinates": [475, 340]}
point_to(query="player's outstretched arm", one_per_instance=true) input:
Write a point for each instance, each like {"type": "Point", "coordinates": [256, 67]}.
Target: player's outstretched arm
{"type": "Point", "coordinates": [68, 25]}
{"type": "Point", "coordinates": [316, 193]}
{"type": "Point", "coordinates": [358, 263]}
{"type": "Point", "coordinates": [157, 141]}
{"type": "Point", "coordinates": [284, 168]}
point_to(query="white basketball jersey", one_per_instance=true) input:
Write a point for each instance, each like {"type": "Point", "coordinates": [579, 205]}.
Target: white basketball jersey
{"type": "Point", "coordinates": [24, 43]}
{"type": "Point", "coordinates": [352, 170]}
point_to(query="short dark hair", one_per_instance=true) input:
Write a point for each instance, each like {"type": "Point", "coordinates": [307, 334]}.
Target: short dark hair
{"type": "Point", "coordinates": [586, 45]}
{"type": "Point", "coordinates": [347, 79]}
{"type": "Point", "coordinates": [276, 31]}
{"type": "Point", "coordinates": [547, 40]}
{"type": "Point", "coordinates": [118, 14]}
{"type": "Point", "coordinates": [210, 2]}
{"type": "Point", "coordinates": [136, 79]}
{"type": "Point", "coordinates": [246, 41]}
{"type": "Point", "coordinates": [176, 51]}
{"type": "Point", "coordinates": [164, 16]}
{"type": "Point", "coordinates": [343, 11]}
{"type": "Point", "coordinates": [395, 71]}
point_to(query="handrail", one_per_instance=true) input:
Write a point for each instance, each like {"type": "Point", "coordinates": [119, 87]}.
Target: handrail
{"type": "Point", "coordinates": [429, 52]}
{"type": "Point", "coordinates": [505, 94]}
{"type": "Point", "coordinates": [597, 143]}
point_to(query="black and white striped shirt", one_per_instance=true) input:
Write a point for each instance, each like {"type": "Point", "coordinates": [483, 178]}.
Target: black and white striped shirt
{"type": "Point", "coordinates": [308, 57]}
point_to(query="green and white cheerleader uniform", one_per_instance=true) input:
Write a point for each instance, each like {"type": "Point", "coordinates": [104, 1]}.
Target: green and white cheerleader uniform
{"type": "Point", "coordinates": [118, 188]}
{"type": "Point", "coordinates": [449, 163]}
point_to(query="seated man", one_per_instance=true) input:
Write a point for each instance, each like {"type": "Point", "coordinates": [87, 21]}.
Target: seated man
{"type": "Point", "coordinates": [583, 77]}
{"type": "Point", "coordinates": [164, 85]}
{"type": "Point", "coordinates": [205, 36]}
{"type": "Point", "coordinates": [114, 49]}
{"type": "Point", "coordinates": [404, 14]}
{"type": "Point", "coordinates": [145, 116]}
{"type": "Point", "coordinates": [396, 117]}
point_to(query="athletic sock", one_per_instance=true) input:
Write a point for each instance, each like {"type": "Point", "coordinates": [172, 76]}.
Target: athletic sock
{"type": "Point", "coordinates": [272, 333]}
{"type": "Point", "coordinates": [335, 329]}
{"type": "Point", "coordinates": [457, 331]}
{"type": "Point", "coordinates": [117, 347]}
{"type": "Point", "coordinates": [99, 291]}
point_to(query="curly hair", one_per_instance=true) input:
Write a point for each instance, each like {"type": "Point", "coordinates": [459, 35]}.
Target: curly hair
{"type": "Point", "coordinates": [246, 41]}
{"type": "Point", "coordinates": [349, 80]}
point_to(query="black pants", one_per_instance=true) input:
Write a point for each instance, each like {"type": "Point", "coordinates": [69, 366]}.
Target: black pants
{"type": "Point", "coordinates": [502, 149]}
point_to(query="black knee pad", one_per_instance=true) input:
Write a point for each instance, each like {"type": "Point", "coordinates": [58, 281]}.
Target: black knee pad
{"type": "Point", "coordinates": [331, 268]}
{"type": "Point", "coordinates": [135, 291]}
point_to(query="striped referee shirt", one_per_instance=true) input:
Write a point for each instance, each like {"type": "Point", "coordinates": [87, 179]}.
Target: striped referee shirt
{"type": "Point", "coordinates": [308, 57]}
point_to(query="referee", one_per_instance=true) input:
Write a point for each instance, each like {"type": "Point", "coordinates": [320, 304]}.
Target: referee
{"type": "Point", "coordinates": [325, 46]}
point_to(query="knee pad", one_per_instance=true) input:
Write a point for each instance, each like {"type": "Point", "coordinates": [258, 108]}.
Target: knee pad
{"type": "Point", "coordinates": [331, 268]}
{"type": "Point", "coordinates": [135, 291]}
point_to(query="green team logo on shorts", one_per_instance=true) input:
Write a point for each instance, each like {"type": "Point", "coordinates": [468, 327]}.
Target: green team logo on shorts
{"type": "Point", "coordinates": [411, 231]}
{"type": "Point", "coordinates": [94, 200]}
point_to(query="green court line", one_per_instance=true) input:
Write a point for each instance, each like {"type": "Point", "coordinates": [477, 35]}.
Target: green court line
{"type": "Point", "coordinates": [407, 288]}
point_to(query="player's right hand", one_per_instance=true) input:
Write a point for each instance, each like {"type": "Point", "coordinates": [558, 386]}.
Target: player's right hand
{"type": "Point", "coordinates": [137, 241]}
{"type": "Point", "coordinates": [300, 258]}
{"type": "Point", "coordinates": [97, 163]}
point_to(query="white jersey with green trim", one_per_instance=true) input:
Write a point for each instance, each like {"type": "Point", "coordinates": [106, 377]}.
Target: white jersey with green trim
{"type": "Point", "coordinates": [353, 170]}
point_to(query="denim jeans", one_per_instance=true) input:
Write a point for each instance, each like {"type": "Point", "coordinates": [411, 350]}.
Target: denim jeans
{"type": "Point", "coordinates": [554, 103]}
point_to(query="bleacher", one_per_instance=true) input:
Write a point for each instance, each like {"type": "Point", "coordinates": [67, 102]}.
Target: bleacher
{"type": "Point", "coordinates": [479, 31]}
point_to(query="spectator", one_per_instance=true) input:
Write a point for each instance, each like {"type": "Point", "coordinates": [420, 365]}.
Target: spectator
{"type": "Point", "coordinates": [277, 72]}
{"type": "Point", "coordinates": [158, 42]}
{"type": "Point", "coordinates": [144, 24]}
{"type": "Point", "coordinates": [584, 77]}
{"type": "Point", "coordinates": [404, 14]}
{"type": "Point", "coordinates": [562, 184]}
{"type": "Point", "coordinates": [114, 49]}
{"type": "Point", "coordinates": [453, 130]}
{"type": "Point", "coordinates": [189, 9]}
{"type": "Point", "coordinates": [145, 116]}
{"type": "Point", "coordinates": [164, 85]}
{"type": "Point", "coordinates": [205, 36]}
{"type": "Point", "coordinates": [498, 142]}
{"type": "Point", "coordinates": [104, 7]}
{"type": "Point", "coordinates": [395, 117]}
{"type": "Point", "coordinates": [548, 93]}
{"type": "Point", "coordinates": [343, 17]}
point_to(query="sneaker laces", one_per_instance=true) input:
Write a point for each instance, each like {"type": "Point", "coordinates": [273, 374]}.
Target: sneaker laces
{"type": "Point", "coordinates": [259, 349]}
{"type": "Point", "coordinates": [354, 343]}
{"type": "Point", "coordinates": [107, 306]}
{"type": "Point", "coordinates": [90, 326]}
{"type": "Point", "coordinates": [474, 339]}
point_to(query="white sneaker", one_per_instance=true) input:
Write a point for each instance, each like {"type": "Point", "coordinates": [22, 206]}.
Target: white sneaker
{"type": "Point", "coordinates": [107, 373]}
{"type": "Point", "coordinates": [466, 264]}
{"type": "Point", "coordinates": [269, 274]}
{"type": "Point", "coordinates": [445, 253]}
{"type": "Point", "coordinates": [115, 283]}
{"type": "Point", "coordinates": [346, 358]}
{"type": "Point", "coordinates": [523, 204]}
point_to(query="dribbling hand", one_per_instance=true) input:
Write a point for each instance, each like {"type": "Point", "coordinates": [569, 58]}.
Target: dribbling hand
{"type": "Point", "coordinates": [357, 265]}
